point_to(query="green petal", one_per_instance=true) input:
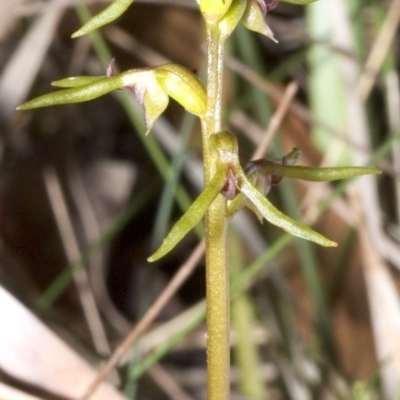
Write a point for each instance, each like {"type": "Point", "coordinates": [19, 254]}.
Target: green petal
{"type": "Point", "coordinates": [75, 95]}
{"type": "Point", "coordinates": [109, 14]}
{"type": "Point", "coordinates": [275, 217]}
{"type": "Point", "coordinates": [192, 216]}
{"type": "Point", "coordinates": [230, 20]}
{"type": "Point", "coordinates": [183, 86]}
{"type": "Point", "coordinates": [312, 174]}
{"type": "Point", "coordinates": [155, 101]}
{"type": "Point", "coordinates": [253, 19]}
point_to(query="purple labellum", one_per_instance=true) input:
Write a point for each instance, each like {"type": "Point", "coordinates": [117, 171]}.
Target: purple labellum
{"type": "Point", "coordinates": [276, 179]}
{"type": "Point", "coordinates": [110, 68]}
{"type": "Point", "coordinates": [230, 191]}
{"type": "Point", "coordinates": [110, 73]}
{"type": "Point", "coordinates": [132, 88]}
{"type": "Point", "coordinates": [267, 5]}
{"type": "Point", "coordinates": [139, 93]}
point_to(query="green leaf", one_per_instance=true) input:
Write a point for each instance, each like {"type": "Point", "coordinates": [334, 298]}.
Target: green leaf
{"type": "Point", "coordinates": [76, 94]}
{"type": "Point", "coordinates": [193, 215]}
{"type": "Point", "coordinates": [109, 14]}
{"type": "Point", "coordinates": [277, 218]}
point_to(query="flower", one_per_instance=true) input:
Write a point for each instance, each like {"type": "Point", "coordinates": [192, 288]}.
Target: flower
{"type": "Point", "coordinates": [248, 188]}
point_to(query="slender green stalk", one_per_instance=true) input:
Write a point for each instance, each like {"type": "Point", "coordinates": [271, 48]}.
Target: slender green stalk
{"type": "Point", "coordinates": [246, 352]}
{"type": "Point", "coordinates": [217, 280]}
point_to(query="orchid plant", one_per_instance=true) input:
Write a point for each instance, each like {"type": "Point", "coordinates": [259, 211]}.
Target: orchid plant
{"type": "Point", "coordinates": [228, 186]}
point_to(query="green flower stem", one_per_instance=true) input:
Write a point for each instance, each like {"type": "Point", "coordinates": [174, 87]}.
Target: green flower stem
{"type": "Point", "coordinates": [217, 279]}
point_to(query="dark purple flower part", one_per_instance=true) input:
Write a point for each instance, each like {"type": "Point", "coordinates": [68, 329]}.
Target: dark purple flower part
{"type": "Point", "coordinates": [110, 68]}
{"type": "Point", "coordinates": [110, 73]}
{"type": "Point", "coordinates": [267, 5]}
{"type": "Point", "coordinates": [229, 191]}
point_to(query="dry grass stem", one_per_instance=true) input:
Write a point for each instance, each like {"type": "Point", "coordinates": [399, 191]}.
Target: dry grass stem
{"type": "Point", "coordinates": [72, 252]}
{"type": "Point", "coordinates": [276, 120]}
{"type": "Point", "coordinates": [379, 50]}
{"type": "Point", "coordinates": [183, 273]}
{"type": "Point", "coordinates": [33, 47]}
{"type": "Point", "coordinates": [169, 386]}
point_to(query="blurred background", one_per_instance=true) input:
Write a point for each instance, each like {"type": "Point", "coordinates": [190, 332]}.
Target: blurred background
{"type": "Point", "coordinates": [85, 197]}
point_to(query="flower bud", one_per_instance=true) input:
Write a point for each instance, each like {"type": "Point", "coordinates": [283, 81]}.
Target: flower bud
{"type": "Point", "coordinates": [214, 10]}
{"type": "Point", "coordinates": [225, 144]}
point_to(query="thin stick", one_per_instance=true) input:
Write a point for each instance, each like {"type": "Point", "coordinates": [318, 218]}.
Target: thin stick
{"type": "Point", "coordinates": [72, 252]}
{"type": "Point", "coordinates": [276, 93]}
{"type": "Point", "coordinates": [180, 277]}
{"type": "Point", "coordinates": [168, 385]}
{"type": "Point", "coordinates": [379, 50]}
{"type": "Point", "coordinates": [276, 120]}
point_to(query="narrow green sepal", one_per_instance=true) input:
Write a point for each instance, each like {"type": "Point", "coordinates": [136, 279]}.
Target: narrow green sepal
{"type": "Point", "coordinates": [324, 174]}
{"type": "Point", "coordinates": [192, 216]}
{"type": "Point", "coordinates": [76, 94]}
{"type": "Point", "coordinates": [259, 176]}
{"type": "Point", "coordinates": [76, 81]}
{"type": "Point", "coordinates": [277, 218]}
{"type": "Point", "coordinates": [109, 14]}
{"type": "Point", "coordinates": [225, 144]}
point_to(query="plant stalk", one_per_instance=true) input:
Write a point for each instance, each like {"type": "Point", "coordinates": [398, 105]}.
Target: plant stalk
{"type": "Point", "coordinates": [217, 277]}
